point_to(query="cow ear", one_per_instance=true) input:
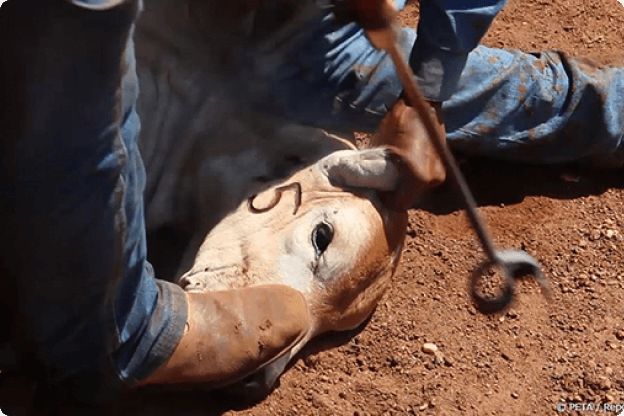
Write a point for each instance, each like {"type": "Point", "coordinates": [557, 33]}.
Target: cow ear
{"type": "Point", "coordinates": [387, 169]}
{"type": "Point", "coordinates": [370, 168]}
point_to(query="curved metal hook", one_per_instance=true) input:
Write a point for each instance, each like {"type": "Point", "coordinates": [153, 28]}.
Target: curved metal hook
{"type": "Point", "coordinates": [276, 198]}
{"type": "Point", "coordinates": [516, 264]}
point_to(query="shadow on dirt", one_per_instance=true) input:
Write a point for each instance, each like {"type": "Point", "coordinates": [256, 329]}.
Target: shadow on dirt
{"type": "Point", "coordinates": [495, 182]}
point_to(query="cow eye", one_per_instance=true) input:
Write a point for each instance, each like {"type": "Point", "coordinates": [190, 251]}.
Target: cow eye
{"type": "Point", "coordinates": [321, 237]}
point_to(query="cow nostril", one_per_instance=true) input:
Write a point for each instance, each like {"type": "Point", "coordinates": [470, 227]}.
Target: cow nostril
{"type": "Point", "coordinates": [183, 283]}
{"type": "Point", "coordinates": [190, 285]}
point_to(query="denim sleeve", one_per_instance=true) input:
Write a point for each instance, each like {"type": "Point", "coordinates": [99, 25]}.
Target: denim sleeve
{"type": "Point", "coordinates": [72, 181]}
{"type": "Point", "coordinates": [448, 30]}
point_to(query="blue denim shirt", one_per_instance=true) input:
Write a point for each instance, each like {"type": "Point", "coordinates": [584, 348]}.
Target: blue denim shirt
{"type": "Point", "coordinates": [75, 230]}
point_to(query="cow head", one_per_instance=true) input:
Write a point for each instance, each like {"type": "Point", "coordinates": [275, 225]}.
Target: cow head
{"type": "Point", "coordinates": [333, 231]}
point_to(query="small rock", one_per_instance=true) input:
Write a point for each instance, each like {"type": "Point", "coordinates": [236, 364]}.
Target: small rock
{"type": "Point", "coordinates": [595, 234]}
{"type": "Point", "coordinates": [610, 234]}
{"type": "Point", "coordinates": [512, 314]}
{"type": "Point", "coordinates": [311, 361]}
{"type": "Point", "coordinates": [619, 334]}
{"type": "Point", "coordinates": [423, 407]}
{"type": "Point", "coordinates": [429, 348]}
{"type": "Point", "coordinates": [515, 395]}
{"type": "Point", "coordinates": [609, 398]}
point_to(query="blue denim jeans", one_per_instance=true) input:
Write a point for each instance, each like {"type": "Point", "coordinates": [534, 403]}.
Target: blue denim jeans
{"type": "Point", "coordinates": [86, 299]}
{"type": "Point", "coordinates": [543, 107]}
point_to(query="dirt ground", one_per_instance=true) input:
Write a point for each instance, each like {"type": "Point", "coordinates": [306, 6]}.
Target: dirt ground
{"type": "Point", "coordinates": [539, 353]}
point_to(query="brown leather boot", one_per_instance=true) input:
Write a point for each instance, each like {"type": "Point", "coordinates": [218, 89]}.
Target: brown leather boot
{"type": "Point", "coordinates": [403, 130]}
{"type": "Point", "coordinates": [232, 334]}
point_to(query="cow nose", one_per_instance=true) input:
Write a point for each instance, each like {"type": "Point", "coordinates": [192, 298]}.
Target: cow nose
{"type": "Point", "coordinates": [191, 284]}
{"type": "Point", "coordinates": [419, 166]}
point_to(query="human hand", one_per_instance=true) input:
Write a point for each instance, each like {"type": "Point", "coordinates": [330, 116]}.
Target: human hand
{"type": "Point", "coordinates": [403, 130]}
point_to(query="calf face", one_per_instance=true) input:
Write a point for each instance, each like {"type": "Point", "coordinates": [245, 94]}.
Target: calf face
{"type": "Point", "coordinates": [328, 231]}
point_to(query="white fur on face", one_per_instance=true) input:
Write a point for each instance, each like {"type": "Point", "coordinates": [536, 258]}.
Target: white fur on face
{"type": "Point", "coordinates": [276, 246]}
{"type": "Point", "coordinates": [352, 220]}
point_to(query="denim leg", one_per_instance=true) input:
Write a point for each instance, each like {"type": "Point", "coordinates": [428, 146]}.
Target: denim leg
{"type": "Point", "coordinates": [447, 31]}
{"type": "Point", "coordinates": [538, 108]}
{"type": "Point", "coordinates": [335, 78]}
{"type": "Point", "coordinates": [73, 179]}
